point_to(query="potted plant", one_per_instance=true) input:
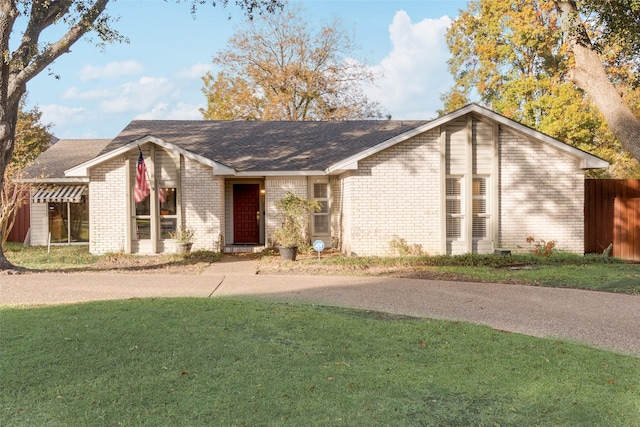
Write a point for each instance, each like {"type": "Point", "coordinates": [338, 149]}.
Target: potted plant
{"type": "Point", "coordinates": [294, 215]}
{"type": "Point", "coordinates": [183, 237]}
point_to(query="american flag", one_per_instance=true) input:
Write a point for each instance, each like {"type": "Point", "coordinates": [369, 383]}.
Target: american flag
{"type": "Point", "coordinates": [141, 189]}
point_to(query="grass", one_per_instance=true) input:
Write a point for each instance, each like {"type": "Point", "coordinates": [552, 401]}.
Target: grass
{"type": "Point", "coordinates": [78, 258]}
{"type": "Point", "coordinates": [234, 363]}
{"type": "Point", "coordinates": [59, 257]}
{"type": "Point", "coordinates": [593, 272]}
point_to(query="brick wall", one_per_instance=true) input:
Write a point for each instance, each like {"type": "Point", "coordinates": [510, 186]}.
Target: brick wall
{"type": "Point", "coordinates": [202, 204]}
{"type": "Point", "coordinates": [542, 195]}
{"type": "Point", "coordinates": [394, 193]}
{"type": "Point", "coordinates": [275, 189]}
{"type": "Point", "coordinates": [108, 207]}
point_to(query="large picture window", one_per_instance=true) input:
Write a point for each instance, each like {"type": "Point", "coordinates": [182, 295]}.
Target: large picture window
{"type": "Point", "coordinates": [168, 209]}
{"type": "Point", "coordinates": [69, 222]}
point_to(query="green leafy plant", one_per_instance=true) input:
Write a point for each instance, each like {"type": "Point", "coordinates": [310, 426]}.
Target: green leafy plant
{"type": "Point", "coordinates": [293, 212]}
{"type": "Point", "coordinates": [541, 247]}
{"type": "Point", "coordinates": [182, 234]}
{"type": "Point", "coordinates": [400, 247]}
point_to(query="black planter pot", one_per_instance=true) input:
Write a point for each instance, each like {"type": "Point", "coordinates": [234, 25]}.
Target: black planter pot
{"type": "Point", "coordinates": [288, 253]}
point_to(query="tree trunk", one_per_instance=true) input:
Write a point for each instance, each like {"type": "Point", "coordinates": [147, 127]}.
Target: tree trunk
{"type": "Point", "coordinates": [590, 75]}
{"type": "Point", "coordinates": [9, 104]}
{"type": "Point", "coordinates": [8, 119]}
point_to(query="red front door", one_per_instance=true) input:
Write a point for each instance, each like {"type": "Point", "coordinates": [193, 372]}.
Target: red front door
{"type": "Point", "coordinates": [246, 213]}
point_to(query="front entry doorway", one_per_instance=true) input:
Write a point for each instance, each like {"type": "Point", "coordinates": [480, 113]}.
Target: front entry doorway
{"type": "Point", "coordinates": [246, 213]}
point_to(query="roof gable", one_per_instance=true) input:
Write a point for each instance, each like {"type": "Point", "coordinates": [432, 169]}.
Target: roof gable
{"type": "Point", "coordinates": [587, 160]}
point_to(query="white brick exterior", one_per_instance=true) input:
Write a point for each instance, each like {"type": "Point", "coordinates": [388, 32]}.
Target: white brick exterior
{"type": "Point", "coordinates": [393, 193]}
{"type": "Point", "coordinates": [108, 214]}
{"type": "Point", "coordinates": [202, 204]}
{"type": "Point", "coordinates": [275, 189]}
{"type": "Point", "coordinates": [396, 192]}
{"type": "Point", "coordinates": [541, 195]}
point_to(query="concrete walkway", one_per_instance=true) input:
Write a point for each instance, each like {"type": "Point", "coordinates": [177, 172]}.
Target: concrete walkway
{"type": "Point", "coordinates": [603, 320]}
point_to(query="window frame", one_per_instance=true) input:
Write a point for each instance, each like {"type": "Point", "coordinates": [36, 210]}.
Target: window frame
{"type": "Point", "coordinates": [487, 207]}
{"type": "Point", "coordinates": [67, 218]}
{"type": "Point", "coordinates": [459, 216]}
{"type": "Point", "coordinates": [315, 214]}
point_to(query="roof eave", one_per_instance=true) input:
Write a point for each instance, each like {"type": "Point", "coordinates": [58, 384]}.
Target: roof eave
{"type": "Point", "coordinates": [78, 180]}
{"type": "Point", "coordinates": [351, 163]}
{"type": "Point", "coordinates": [281, 173]}
{"type": "Point", "coordinates": [587, 161]}
{"type": "Point", "coordinates": [82, 170]}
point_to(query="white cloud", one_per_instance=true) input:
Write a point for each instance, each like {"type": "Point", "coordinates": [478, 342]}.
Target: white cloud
{"type": "Point", "coordinates": [179, 111]}
{"type": "Point", "coordinates": [139, 96]}
{"type": "Point", "coordinates": [415, 71]}
{"type": "Point", "coordinates": [111, 71]}
{"type": "Point", "coordinates": [62, 116]}
{"type": "Point", "coordinates": [75, 93]}
{"type": "Point", "coordinates": [196, 71]}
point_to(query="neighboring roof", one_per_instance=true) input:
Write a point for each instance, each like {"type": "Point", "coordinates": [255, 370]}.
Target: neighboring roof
{"type": "Point", "coordinates": [64, 154]}
{"type": "Point", "coordinates": [247, 146]}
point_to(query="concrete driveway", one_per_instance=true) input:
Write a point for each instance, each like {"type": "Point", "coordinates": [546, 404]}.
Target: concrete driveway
{"type": "Point", "coordinates": [603, 320]}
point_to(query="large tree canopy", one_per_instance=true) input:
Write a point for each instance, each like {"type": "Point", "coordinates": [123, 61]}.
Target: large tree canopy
{"type": "Point", "coordinates": [517, 56]}
{"type": "Point", "coordinates": [278, 68]}
{"type": "Point", "coordinates": [33, 54]}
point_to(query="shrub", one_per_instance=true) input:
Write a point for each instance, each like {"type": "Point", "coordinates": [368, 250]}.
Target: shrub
{"type": "Point", "coordinates": [541, 247]}
{"type": "Point", "coordinates": [400, 247]}
{"type": "Point", "coordinates": [293, 212]}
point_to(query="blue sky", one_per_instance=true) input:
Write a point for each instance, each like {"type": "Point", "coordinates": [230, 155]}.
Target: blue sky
{"type": "Point", "coordinates": [158, 74]}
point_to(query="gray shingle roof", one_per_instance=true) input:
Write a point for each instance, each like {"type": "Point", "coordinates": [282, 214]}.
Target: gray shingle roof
{"type": "Point", "coordinates": [268, 146]}
{"type": "Point", "coordinates": [63, 155]}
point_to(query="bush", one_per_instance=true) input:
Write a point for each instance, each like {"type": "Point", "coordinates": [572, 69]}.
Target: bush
{"type": "Point", "coordinates": [400, 247]}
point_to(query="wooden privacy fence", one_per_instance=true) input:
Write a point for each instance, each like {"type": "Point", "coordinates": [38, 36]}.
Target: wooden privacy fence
{"type": "Point", "coordinates": [22, 221]}
{"type": "Point", "coordinates": [612, 216]}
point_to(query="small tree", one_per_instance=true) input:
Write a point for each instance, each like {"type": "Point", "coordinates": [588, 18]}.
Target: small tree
{"type": "Point", "coordinates": [32, 138]}
{"type": "Point", "coordinates": [293, 212]}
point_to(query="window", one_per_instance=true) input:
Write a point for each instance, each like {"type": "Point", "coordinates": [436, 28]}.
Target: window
{"type": "Point", "coordinates": [143, 219]}
{"type": "Point", "coordinates": [168, 211]}
{"type": "Point", "coordinates": [320, 217]}
{"type": "Point", "coordinates": [454, 208]}
{"type": "Point", "coordinates": [480, 208]}
{"type": "Point", "coordinates": [69, 222]}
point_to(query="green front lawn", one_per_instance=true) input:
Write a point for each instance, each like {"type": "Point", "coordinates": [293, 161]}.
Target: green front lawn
{"type": "Point", "coordinates": [226, 362]}
{"type": "Point", "coordinates": [592, 272]}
